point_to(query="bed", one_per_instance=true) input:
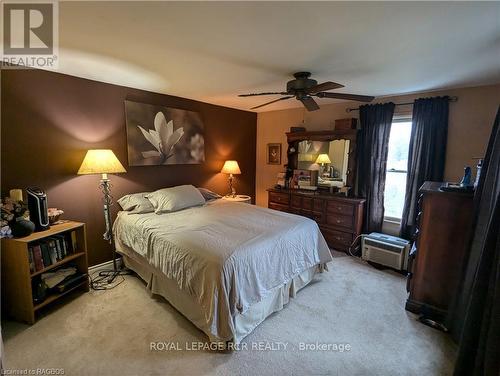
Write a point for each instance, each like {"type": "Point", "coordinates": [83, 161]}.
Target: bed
{"type": "Point", "coordinates": [225, 266]}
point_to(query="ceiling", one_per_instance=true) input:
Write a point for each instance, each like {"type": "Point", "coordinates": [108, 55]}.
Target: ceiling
{"type": "Point", "coordinates": [213, 51]}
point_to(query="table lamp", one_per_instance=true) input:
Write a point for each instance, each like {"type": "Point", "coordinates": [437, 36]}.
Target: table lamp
{"type": "Point", "coordinates": [322, 160]}
{"type": "Point", "coordinates": [231, 168]}
{"type": "Point", "coordinates": [103, 161]}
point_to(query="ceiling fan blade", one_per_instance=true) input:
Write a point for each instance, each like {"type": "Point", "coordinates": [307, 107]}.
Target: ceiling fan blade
{"type": "Point", "coordinates": [352, 97]}
{"type": "Point", "coordinates": [324, 86]}
{"type": "Point", "coordinates": [309, 104]}
{"type": "Point", "coordinates": [268, 93]}
{"type": "Point", "coordinates": [276, 100]}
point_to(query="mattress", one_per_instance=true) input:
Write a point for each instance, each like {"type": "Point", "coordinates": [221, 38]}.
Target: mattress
{"type": "Point", "coordinates": [225, 257]}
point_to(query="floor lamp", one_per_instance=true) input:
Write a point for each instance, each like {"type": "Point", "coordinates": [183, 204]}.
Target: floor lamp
{"type": "Point", "coordinates": [104, 162]}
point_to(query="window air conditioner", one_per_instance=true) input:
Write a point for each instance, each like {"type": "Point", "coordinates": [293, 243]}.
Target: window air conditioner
{"type": "Point", "coordinates": [385, 250]}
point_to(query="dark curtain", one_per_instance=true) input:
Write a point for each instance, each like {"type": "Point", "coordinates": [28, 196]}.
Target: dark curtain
{"type": "Point", "coordinates": [426, 155]}
{"type": "Point", "coordinates": [476, 312]}
{"type": "Point", "coordinates": [372, 146]}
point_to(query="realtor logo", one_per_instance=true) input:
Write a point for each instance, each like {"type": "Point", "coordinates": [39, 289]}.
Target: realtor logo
{"type": "Point", "coordinates": [29, 34]}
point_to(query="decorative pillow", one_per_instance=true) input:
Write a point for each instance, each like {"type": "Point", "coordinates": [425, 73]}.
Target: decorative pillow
{"type": "Point", "coordinates": [208, 195]}
{"type": "Point", "coordinates": [176, 198]}
{"type": "Point", "coordinates": [136, 203]}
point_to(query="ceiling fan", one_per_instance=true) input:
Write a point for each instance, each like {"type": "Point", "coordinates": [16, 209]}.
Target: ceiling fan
{"type": "Point", "coordinates": [304, 89]}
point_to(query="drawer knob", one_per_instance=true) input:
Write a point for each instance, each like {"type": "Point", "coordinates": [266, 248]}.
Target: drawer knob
{"type": "Point", "coordinates": [338, 220]}
{"type": "Point", "coordinates": [339, 208]}
{"type": "Point", "coordinates": [337, 237]}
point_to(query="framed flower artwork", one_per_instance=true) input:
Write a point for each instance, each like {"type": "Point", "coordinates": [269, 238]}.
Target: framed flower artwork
{"type": "Point", "coordinates": [274, 154]}
{"type": "Point", "coordinates": [158, 135]}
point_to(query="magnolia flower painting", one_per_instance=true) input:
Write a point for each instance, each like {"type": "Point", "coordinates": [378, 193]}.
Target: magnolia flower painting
{"type": "Point", "coordinates": [163, 138]}
{"type": "Point", "coordinates": [160, 135]}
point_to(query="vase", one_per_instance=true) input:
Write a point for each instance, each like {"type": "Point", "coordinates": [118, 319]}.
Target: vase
{"type": "Point", "coordinates": [21, 227]}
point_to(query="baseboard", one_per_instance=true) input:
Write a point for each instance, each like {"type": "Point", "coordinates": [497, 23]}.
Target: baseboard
{"type": "Point", "coordinates": [105, 266]}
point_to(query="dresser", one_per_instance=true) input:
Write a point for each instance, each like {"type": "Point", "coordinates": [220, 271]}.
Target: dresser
{"type": "Point", "coordinates": [339, 218]}
{"type": "Point", "coordinates": [440, 249]}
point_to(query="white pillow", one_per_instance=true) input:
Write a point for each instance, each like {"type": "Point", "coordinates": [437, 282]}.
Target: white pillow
{"type": "Point", "coordinates": [136, 203]}
{"type": "Point", "coordinates": [208, 195]}
{"type": "Point", "coordinates": [175, 198]}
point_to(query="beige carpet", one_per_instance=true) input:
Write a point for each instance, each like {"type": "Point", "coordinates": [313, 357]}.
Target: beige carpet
{"type": "Point", "coordinates": [110, 333]}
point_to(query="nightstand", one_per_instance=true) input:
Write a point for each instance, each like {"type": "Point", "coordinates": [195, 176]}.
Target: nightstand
{"type": "Point", "coordinates": [238, 198]}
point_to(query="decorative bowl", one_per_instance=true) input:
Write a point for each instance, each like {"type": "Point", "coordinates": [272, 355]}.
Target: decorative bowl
{"type": "Point", "coordinates": [54, 215]}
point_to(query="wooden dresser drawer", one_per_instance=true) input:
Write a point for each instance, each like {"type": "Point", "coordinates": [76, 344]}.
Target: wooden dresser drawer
{"type": "Point", "coordinates": [280, 198]}
{"type": "Point", "coordinates": [318, 205]}
{"type": "Point", "coordinates": [318, 217]}
{"type": "Point", "coordinates": [339, 218]}
{"type": "Point", "coordinates": [307, 203]}
{"type": "Point", "coordinates": [296, 202]}
{"type": "Point", "coordinates": [283, 208]}
{"type": "Point", "coordinates": [339, 208]}
{"type": "Point", "coordinates": [337, 237]}
{"type": "Point", "coordinates": [345, 221]}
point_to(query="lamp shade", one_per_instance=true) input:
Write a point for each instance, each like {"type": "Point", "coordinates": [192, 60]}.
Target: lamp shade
{"type": "Point", "coordinates": [100, 161]}
{"type": "Point", "coordinates": [231, 167]}
{"type": "Point", "coordinates": [323, 158]}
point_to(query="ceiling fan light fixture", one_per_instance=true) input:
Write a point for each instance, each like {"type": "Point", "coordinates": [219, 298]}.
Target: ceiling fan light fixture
{"type": "Point", "coordinates": [303, 88]}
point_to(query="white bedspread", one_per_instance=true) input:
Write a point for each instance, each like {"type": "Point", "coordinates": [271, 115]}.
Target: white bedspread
{"type": "Point", "coordinates": [226, 255]}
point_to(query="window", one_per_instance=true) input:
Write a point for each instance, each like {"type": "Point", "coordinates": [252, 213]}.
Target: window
{"type": "Point", "coordinates": [397, 164]}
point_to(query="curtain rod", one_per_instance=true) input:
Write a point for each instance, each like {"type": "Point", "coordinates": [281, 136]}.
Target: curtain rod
{"type": "Point", "coordinates": [452, 99]}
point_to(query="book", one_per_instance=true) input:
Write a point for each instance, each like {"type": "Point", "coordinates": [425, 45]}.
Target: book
{"type": "Point", "coordinates": [31, 259]}
{"type": "Point", "coordinates": [52, 245]}
{"type": "Point", "coordinates": [45, 254]}
{"type": "Point", "coordinates": [73, 241]}
{"type": "Point", "coordinates": [53, 255]}
{"type": "Point", "coordinates": [67, 242]}
{"type": "Point", "coordinates": [62, 244]}
{"type": "Point", "coordinates": [58, 247]}
{"type": "Point", "coordinates": [37, 255]}
{"type": "Point", "coordinates": [70, 282]}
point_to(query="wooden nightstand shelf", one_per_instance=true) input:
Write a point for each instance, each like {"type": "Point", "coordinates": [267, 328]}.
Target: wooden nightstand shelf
{"type": "Point", "coordinates": [17, 296]}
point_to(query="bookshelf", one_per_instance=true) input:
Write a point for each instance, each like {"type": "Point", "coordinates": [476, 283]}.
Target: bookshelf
{"type": "Point", "coordinates": [17, 296]}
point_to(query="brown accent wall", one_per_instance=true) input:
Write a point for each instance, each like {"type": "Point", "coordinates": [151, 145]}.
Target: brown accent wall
{"type": "Point", "coordinates": [49, 120]}
{"type": "Point", "coordinates": [469, 127]}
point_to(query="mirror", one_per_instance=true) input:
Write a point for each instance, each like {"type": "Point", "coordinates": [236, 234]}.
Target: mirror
{"type": "Point", "coordinates": [329, 158]}
{"type": "Point", "coordinates": [339, 146]}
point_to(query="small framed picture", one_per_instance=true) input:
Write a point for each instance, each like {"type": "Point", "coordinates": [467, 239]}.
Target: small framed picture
{"type": "Point", "coordinates": [274, 154]}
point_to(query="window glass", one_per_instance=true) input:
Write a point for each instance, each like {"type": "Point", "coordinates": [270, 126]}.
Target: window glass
{"type": "Point", "coordinates": [397, 164]}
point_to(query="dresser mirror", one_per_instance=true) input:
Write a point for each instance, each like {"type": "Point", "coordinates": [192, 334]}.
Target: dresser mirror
{"type": "Point", "coordinates": [330, 153]}
{"type": "Point", "coordinates": [329, 158]}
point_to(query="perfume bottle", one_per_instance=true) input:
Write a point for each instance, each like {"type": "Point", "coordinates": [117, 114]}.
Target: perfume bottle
{"type": "Point", "coordinates": [478, 172]}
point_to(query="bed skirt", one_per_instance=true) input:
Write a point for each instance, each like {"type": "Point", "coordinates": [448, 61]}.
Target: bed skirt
{"type": "Point", "coordinates": [244, 323]}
